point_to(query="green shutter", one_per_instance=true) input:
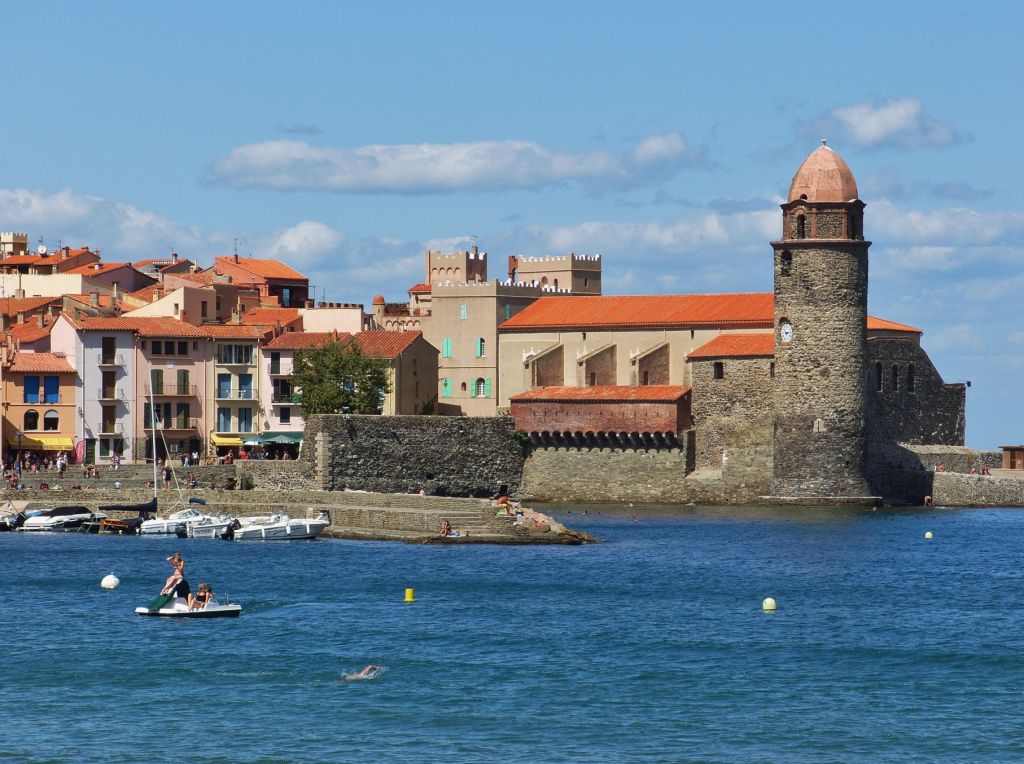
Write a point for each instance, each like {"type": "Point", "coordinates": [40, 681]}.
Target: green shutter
{"type": "Point", "coordinates": [463, 312]}
{"type": "Point", "coordinates": [508, 312]}
{"type": "Point", "coordinates": [480, 347]}
{"type": "Point", "coordinates": [446, 347]}
{"type": "Point", "coordinates": [487, 388]}
{"type": "Point", "coordinates": [446, 387]}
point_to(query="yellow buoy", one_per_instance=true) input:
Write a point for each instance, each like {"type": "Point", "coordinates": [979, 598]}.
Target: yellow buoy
{"type": "Point", "coordinates": [410, 595]}
{"type": "Point", "coordinates": [928, 534]}
{"type": "Point", "coordinates": [768, 605]}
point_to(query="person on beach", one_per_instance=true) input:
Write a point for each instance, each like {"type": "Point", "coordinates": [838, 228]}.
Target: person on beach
{"type": "Point", "coordinates": [446, 529]}
{"type": "Point", "coordinates": [367, 673]}
{"type": "Point", "coordinates": [202, 598]}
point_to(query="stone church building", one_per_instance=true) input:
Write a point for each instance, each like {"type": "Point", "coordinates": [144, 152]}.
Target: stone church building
{"type": "Point", "coordinates": [827, 395]}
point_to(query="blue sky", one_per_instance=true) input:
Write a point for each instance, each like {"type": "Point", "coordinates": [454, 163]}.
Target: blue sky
{"type": "Point", "coordinates": [346, 138]}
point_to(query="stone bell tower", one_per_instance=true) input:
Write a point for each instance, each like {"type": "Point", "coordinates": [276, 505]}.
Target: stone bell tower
{"type": "Point", "coordinates": [821, 293]}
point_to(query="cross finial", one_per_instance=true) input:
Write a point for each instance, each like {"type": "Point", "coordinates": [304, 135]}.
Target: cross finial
{"type": "Point", "coordinates": [824, 141]}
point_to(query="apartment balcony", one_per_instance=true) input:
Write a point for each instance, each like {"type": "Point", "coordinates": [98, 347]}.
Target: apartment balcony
{"type": "Point", "coordinates": [111, 430]}
{"type": "Point", "coordinates": [289, 399]}
{"type": "Point", "coordinates": [175, 424]}
{"type": "Point", "coordinates": [43, 400]}
{"type": "Point", "coordinates": [172, 390]}
{"type": "Point", "coordinates": [107, 394]}
{"type": "Point", "coordinates": [110, 359]}
{"type": "Point", "coordinates": [235, 394]}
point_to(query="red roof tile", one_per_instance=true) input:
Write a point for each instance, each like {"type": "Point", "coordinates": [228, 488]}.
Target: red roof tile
{"type": "Point", "coordinates": [306, 340]}
{"type": "Point", "coordinates": [881, 324]}
{"type": "Point", "coordinates": [385, 344]}
{"type": "Point", "coordinates": [30, 331]}
{"type": "Point", "coordinates": [149, 326]}
{"type": "Point", "coordinates": [230, 331]}
{"type": "Point", "coordinates": [737, 346]}
{"type": "Point", "coordinates": [12, 306]}
{"type": "Point", "coordinates": [271, 316]}
{"type": "Point", "coordinates": [606, 393]}
{"type": "Point", "coordinates": [40, 362]}
{"type": "Point", "coordinates": [93, 268]}
{"type": "Point", "coordinates": [271, 269]}
{"type": "Point", "coordinates": [636, 311]}
{"type": "Point", "coordinates": [754, 309]}
{"type": "Point", "coordinates": [420, 288]}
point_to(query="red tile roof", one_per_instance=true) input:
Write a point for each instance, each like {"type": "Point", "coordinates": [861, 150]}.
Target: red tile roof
{"type": "Point", "coordinates": [12, 306]}
{"type": "Point", "coordinates": [881, 324]}
{"type": "Point", "coordinates": [606, 393]}
{"type": "Point", "coordinates": [306, 340]}
{"type": "Point", "coordinates": [271, 316]}
{"type": "Point", "coordinates": [93, 268]}
{"type": "Point", "coordinates": [105, 300]}
{"type": "Point", "coordinates": [30, 331]}
{"type": "Point", "coordinates": [754, 309]}
{"type": "Point", "coordinates": [420, 288]}
{"type": "Point", "coordinates": [385, 344]}
{"type": "Point", "coordinates": [271, 269]}
{"type": "Point", "coordinates": [40, 362]}
{"type": "Point", "coordinates": [637, 311]}
{"type": "Point", "coordinates": [230, 331]}
{"type": "Point", "coordinates": [149, 326]}
{"type": "Point", "coordinates": [736, 346]}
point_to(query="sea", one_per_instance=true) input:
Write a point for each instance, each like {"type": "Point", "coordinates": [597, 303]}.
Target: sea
{"type": "Point", "coordinates": [650, 646]}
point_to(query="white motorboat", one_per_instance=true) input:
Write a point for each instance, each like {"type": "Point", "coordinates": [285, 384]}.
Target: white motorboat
{"type": "Point", "coordinates": [59, 519]}
{"type": "Point", "coordinates": [278, 528]}
{"type": "Point", "coordinates": [177, 607]}
{"type": "Point", "coordinates": [172, 522]}
{"type": "Point", "coordinates": [206, 527]}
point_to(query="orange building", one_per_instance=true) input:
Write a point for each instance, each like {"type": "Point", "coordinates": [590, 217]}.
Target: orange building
{"type": "Point", "coordinates": [39, 403]}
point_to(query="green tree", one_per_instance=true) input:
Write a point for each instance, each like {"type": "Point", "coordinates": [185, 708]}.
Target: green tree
{"type": "Point", "coordinates": [334, 378]}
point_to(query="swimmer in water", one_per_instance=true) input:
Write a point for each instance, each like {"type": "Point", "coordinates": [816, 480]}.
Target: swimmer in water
{"type": "Point", "coordinates": [367, 673]}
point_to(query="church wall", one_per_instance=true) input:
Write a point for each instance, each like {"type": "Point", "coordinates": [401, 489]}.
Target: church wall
{"type": "Point", "coordinates": [734, 411]}
{"type": "Point", "coordinates": [931, 413]}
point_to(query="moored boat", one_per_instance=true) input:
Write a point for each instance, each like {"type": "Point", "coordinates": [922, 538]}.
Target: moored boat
{"type": "Point", "coordinates": [278, 528]}
{"type": "Point", "coordinates": [172, 523]}
{"type": "Point", "coordinates": [60, 519]}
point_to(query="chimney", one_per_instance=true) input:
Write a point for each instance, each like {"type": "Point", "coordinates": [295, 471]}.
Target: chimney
{"type": "Point", "coordinates": [21, 317]}
{"type": "Point", "coordinates": [115, 296]}
{"type": "Point", "coordinates": [236, 257]}
{"type": "Point", "coordinates": [40, 320]}
{"type": "Point", "coordinates": [5, 322]}
{"type": "Point", "coordinates": [54, 311]}
{"type": "Point", "coordinates": [513, 266]}
{"type": "Point", "coordinates": [157, 294]}
{"type": "Point", "coordinates": [94, 299]}
{"type": "Point", "coordinates": [174, 257]}
{"type": "Point", "coordinates": [19, 293]}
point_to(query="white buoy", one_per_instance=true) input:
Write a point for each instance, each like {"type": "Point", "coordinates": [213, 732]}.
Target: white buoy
{"type": "Point", "coordinates": [928, 534]}
{"type": "Point", "coordinates": [768, 605]}
{"type": "Point", "coordinates": [110, 582]}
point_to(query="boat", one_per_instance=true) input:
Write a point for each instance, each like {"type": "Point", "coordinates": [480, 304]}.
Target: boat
{"type": "Point", "coordinates": [12, 521]}
{"type": "Point", "coordinates": [177, 607]}
{"type": "Point", "coordinates": [206, 527]}
{"type": "Point", "coordinates": [278, 528]}
{"type": "Point", "coordinates": [172, 522]}
{"type": "Point", "coordinates": [59, 519]}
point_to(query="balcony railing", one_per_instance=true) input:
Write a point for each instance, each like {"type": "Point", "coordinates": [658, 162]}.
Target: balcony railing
{"type": "Point", "coordinates": [42, 399]}
{"type": "Point", "coordinates": [111, 428]}
{"type": "Point", "coordinates": [110, 359]}
{"type": "Point", "coordinates": [172, 389]}
{"type": "Point", "coordinates": [287, 399]}
{"type": "Point", "coordinates": [175, 423]}
{"type": "Point", "coordinates": [236, 394]}
{"type": "Point", "coordinates": [111, 394]}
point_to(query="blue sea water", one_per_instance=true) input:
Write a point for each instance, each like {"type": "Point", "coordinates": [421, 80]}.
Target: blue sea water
{"type": "Point", "coordinates": [650, 646]}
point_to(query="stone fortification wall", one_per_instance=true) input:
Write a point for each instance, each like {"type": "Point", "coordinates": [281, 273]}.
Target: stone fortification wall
{"type": "Point", "coordinates": [275, 475]}
{"type": "Point", "coordinates": [906, 472]}
{"type": "Point", "coordinates": [652, 476]}
{"type": "Point", "coordinates": [913, 405]}
{"type": "Point", "coordinates": [455, 456]}
{"type": "Point", "coordinates": [732, 412]}
{"type": "Point", "coordinates": [952, 489]}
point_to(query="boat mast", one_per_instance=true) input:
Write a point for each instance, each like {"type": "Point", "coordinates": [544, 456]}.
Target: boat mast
{"type": "Point", "coordinates": [152, 422]}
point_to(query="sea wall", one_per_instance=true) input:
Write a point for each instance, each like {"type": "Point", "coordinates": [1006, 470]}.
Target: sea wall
{"type": "Point", "coordinates": [453, 456]}
{"type": "Point", "coordinates": [952, 489]}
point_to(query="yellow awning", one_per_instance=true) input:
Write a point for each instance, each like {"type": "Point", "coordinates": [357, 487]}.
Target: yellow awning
{"type": "Point", "coordinates": [43, 443]}
{"type": "Point", "coordinates": [226, 440]}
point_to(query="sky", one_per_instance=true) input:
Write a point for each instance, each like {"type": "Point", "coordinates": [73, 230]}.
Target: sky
{"type": "Point", "coordinates": [347, 138]}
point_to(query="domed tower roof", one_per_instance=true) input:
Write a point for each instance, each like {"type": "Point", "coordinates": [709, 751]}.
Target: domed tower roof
{"type": "Point", "coordinates": [823, 177]}
{"type": "Point", "coordinates": [378, 299]}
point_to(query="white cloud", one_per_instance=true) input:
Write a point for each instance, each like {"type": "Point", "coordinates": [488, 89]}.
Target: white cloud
{"type": "Point", "coordinates": [443, 167]}
{"type": "Point", "coordinates": [304, 244]}
{"type": "Point", "coordinates": [891, 122]}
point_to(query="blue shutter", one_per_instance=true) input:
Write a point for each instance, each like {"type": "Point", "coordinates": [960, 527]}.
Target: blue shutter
{"type": "Point", "coordinates": [508, 312]}
{"type": "Point", "coordinates": [446, 348]}
{"type": "Point", "coordinates": [31, 388]}
{"type": "Point", "coordinates": [487, 388]}
{"type": "Point", "coordinates": [463, 312]}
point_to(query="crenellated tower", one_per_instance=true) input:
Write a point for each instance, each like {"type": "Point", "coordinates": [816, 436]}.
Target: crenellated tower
{"type": "Point", "coordinates": [821, 292]}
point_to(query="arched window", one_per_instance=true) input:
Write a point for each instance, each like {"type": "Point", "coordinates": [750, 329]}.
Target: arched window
{"type": "Point", "coordinates": [480, 388]}
{"type": "Point", "coordinates": [51, 421]}
{"type": "Point", "coordinates": [878, 377]}
{"type": "Point", "coordinates": [462, 387]}
{"type": "Point", "coordinates": [801, 227]}
{"type": "Point", "coordinates": [31, 420]}
{"type": "Point", "coordinates": [785, 263]}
